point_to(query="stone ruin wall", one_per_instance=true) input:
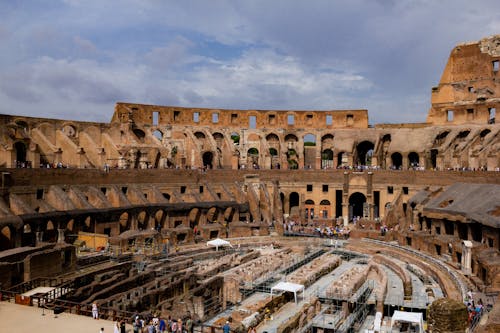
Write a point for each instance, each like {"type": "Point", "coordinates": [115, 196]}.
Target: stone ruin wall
{"type": "Point", "coordinates": [470, 85]}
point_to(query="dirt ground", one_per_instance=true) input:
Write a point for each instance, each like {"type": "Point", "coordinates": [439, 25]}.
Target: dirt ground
{"type": "Point", "coordinates": [27, 319]}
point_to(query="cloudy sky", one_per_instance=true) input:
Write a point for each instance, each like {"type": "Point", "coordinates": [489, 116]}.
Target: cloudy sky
{"type": "Point", "coordinates": [73, 59]}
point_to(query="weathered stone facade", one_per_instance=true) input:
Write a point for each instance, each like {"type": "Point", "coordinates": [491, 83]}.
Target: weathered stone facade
{"type": "Point", "coordinates": [159, 177]}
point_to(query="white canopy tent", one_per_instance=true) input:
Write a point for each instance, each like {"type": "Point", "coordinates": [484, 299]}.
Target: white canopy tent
{"type": "Point", "coordinates": [408, 317]}
{"type": "Point", "coordinates": [288, 286]}
{"type": "Point", "coordinates": [218, 242]}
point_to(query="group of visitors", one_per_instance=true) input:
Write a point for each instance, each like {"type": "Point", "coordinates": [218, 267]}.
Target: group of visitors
{"type": "Point", "coordinates": [474, 310]}
{"type": "Point", "coordinates": [160, 325]}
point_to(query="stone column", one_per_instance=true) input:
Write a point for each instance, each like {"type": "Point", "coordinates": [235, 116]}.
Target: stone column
{"type": "Point", "coordinates": [466, 257]}
{"type": "Point", "coordinates": [81, 157]}
{"type": "Point", "coordinates": [39, 238]}
{"type": "Point", "coordinates": [60, 236]}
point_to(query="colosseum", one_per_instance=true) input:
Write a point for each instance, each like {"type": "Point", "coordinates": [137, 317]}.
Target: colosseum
{"type": "Point", "coordinates": [277, 220]}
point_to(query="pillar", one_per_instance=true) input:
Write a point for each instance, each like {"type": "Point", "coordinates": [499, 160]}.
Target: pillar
{"type": "Point", "coordinates": [39, 238]}
{"type": "Point", "coordinates": [81, 157]}
{"type": "Point", "coordinates": [466, 257]}
{"type": "Point", "coordinates": [60, 236]}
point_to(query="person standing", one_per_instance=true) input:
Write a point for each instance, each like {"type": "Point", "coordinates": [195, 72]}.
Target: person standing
{"type": "Point", "coordinates": [116, 327]}
{"type": "Point", "coordinates": [189, 325]}
{"type": "Point", "coordinates": [226, 328]}
{"type": "Point", "coordinates": [95, 311]}
{"type": "Point", "coordinates": [162, 325]}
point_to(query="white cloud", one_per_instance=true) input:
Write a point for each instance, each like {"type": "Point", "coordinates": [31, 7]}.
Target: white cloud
{"type": "Point", "coordinates": [79, 57]}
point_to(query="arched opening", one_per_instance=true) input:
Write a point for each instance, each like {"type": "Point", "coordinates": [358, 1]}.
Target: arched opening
{"type": "Point", "coordinates": [357, 202]}
{"type": "Point", "coordinates": [208, 157]}
{"type": "Point", "coordinates": [364, 153]}
{"type": "Point", "coordinates": [413, 160]}
{"type": "Point", "coordinates": [324, 209]}
{"type": "Point", "coordinates": [236, 138]}
{"type": "Point", "coordinates": [5, 238]}
{"type": "Point", "coordinates": [200, 135]}
{"type": "Point", "coordinates": [139, 134]}
{"type": "Point", "coordinates": [194, 218]}
{"type": "Point", "coordinates": [50, 233]}
{"type": "Point", "coordinates": [309, 151]}
{"type": "Point", "coordinates": [142, 220]}
{"type": "Point", "coordinates": [218, 138]}
{"type": "Point", "coordinates": [158, 219]}
{"type": "Point", "coordinates": [309, 209]}
{"type": "Point", "coordinates": [123, 221]}
{"type": "Point", "coordinates": [253, 158]}
{"type": "Point", "coordinates": [87, 224]}
{"type": "Point", "coordinates": [20, 148]}
{"type": "Point", "coordinates": [212, 215]}
{"type": "Point", "coordinates": [327, 159]}
{"type": "Point", "coordinates": [484, 133]}
{"type": "Point", "coordinates": [440, 138]}
{"type": "Point", "coordinates": [29, 237]}
{"type": "Point", "coordinates": [397, 161]}
{"type": "Point", "coordinates": [294, 204]}
{"type": "Point", "coordinates": [158, 134]}
{"type": "Point", "coordinates": [434, 153]}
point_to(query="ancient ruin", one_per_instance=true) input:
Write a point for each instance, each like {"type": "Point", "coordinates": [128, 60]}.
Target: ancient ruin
{"type": "Point", "coordinates": [345, 220]}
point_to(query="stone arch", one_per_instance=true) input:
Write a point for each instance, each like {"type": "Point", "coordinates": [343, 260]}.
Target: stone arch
{"type": "Point", "coordinates": [294, 204]}
{"type": "Point", "coordinates": [413, 160]}
{"type": "Point", "coordinates": [325, 209]}
{"type": "Point", "coordinates": [273, 142]}
{"type": "Point", "coordinates": [364, 151]}
{"type": "Point", "coordinates": [236, 138]}
{"type": "Point", "coordinates": [439, 139]}
{"type": "Point", "coordinates": [124, 222]}
{"type": "Point", "coordinates": [463, 134]}
{"type": "Point", "coordinates": [50, 232]}
{"type": "Point", "coordinates": [212, 215]}
{"type": "Point", "coordinates": [194, 217]}
{"type": "Point", "coordinates": [433, 158]}
{"type": "Point", "coordinates": [70, 225]}
{"type": "Point", "coordinates": [253, 158]}
{"type": "Point", "coordinates": [208, 158]}
{"type": "Point", "coordinates": [291, 140]}
{"type": "Point", "coordinates": [219, 139]}
{"type": "Point", "coordinates": [28, 237]}
{"type": "Point", "coordinates": [159, 216]}
{"type": "Point", "coordinates": [357, 201]}
{"type": "Point", "coordinates": [140, 135]}
{"type": "Point", "coordinates": [158, 134]}
{"type": "Point", "coordinates": [327, 159]}
{"type": "Point", "coordinates": [5, 238]}
{"type": "Point", "coordinates": [87, 223]}
{"type": "Point", "coordinates": [200, 135]}
{"type": "Point", "coordinates": [142, 220]}
{"type": "Point", "coordinates": [21, 153]}
{"type": "Point", "coordinates": [397, 161]}
{"type": "Point", "coordinates": [309, 148]}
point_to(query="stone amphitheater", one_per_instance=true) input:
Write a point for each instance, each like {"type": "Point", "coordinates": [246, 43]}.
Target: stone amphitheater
{"type": "Point", "coordinates": [319, 221]}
